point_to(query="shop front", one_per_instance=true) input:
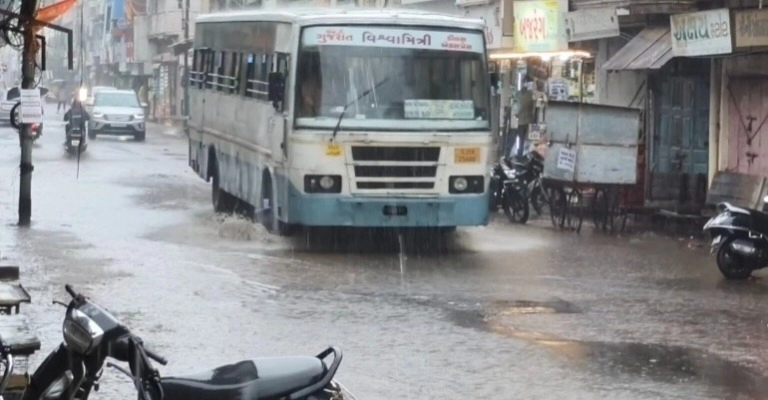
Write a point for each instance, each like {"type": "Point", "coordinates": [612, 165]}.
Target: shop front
{"type": "Point", "coordinates": [539, 66]}
{"type": "Point", "coordinates": [743, 144]}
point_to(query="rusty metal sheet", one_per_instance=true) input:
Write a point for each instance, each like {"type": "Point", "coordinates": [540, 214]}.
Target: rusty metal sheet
{"type": "Point", "coordinates": [651, 49]}
{"type": "Point", "coordinates": [604, 138]}
{"type": "Point", "coordinates": [739, 189]}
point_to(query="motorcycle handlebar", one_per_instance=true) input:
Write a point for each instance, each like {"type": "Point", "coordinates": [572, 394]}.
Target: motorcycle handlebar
{"type": "Point", "coordinates": [159, 359]}
{"type": "Point", "coordinates": [70, 290]}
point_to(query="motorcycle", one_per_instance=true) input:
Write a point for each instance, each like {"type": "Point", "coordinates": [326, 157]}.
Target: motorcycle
{"type": "Point", "coordinates": [37, 129]}
{"type": "Point", "coordinates": [530, 167]}
{"type": "Point", "coordinates": [509, 192]}
{"type": "Point", "coordinates": [92, 334]}
{"type": "Point", "coordinates": [75, 135]}
{"type": "Point", "coordinates": [739, 240]}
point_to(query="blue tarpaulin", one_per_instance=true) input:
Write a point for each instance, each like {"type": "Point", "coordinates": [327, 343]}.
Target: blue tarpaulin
{"type": "Point", "coordinates": [118, 10]}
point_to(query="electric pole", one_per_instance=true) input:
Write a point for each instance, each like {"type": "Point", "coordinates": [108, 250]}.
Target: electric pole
{"type": "Point", "coordinates": [28, 61]}
{"type": "Point", "coordinates": [186, 61]}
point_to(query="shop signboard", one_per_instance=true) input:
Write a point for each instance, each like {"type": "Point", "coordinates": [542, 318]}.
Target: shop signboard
{"type": "Point", "coordinates": [591, 24]}
{"type": "Point", "coordinates": [539, 26]}
{"type": "Point", "coordinates": [751, 28]}
{"type": "Point", "coordinates": [491, 14]}
{"type": "Point", "coordinates": [701, 33]}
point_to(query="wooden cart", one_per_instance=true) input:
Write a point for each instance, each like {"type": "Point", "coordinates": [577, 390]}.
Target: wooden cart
{"type": "Point", "coordinates": [591, 160]}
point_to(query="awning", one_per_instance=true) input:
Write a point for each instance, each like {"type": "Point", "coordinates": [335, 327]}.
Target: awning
{"type": "Point", "coordinates": [650, 49]}
{"type": "Point", "coordinates": [181, 46]}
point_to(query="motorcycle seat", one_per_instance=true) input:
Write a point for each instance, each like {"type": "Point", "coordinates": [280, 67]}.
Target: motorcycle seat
{"type": "Point", "coordinates": [260, 379]}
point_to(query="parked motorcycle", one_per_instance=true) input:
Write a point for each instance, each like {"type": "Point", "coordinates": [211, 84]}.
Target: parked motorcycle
{"type": "Point", "coordinates": [92, 334]}
{"type": "Point", "coordinates": [530, 167]}
{"type": "Point", "coordinates": [739, 240]}
{"type": "Point", "coordinates": [37, 129]}
{"type": "Point", "coordinates": [509, 191]}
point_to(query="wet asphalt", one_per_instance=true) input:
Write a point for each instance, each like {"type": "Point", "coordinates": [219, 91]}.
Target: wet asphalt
{"type": "Point", "coordinates": [496, 312]}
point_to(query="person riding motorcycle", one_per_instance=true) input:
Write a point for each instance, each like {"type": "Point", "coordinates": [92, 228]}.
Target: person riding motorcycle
{"type": "Point", "coordinates": [76, 112]}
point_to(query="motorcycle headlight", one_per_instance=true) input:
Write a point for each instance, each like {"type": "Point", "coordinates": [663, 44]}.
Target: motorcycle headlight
{"type": "Point", "coordinates": [81, 333]}
{"type": "Point", "coordinates": [58, 386]}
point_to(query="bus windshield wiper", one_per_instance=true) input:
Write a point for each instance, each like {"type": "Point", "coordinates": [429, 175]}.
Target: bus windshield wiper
{"type": "Point", "coordinates": [346, 106]}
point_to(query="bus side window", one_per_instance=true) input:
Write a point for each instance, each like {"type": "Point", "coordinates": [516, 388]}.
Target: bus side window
{"type": "Point", "coordinates": [283, 66]}
{"type": "Point", "coordinates": [234, 73]}
{"type": "Point", "coordinates": [221, 68]}
{"type": "Point", "coordinates": [251, 86]}
{"type": "Point", "coordinates": [210, 58]}
{"type": "Point", "coordinates": [263, 77]}
{"type": "Point", "coordinates": [242, 75]}
{"type": "Point", "coordinates": [192, 75]}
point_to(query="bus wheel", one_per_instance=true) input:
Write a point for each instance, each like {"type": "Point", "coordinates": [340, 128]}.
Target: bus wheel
{"type": "Point", "coordinates": [268, 216]}
{"type": "Point", "coordinates": [223, 202]}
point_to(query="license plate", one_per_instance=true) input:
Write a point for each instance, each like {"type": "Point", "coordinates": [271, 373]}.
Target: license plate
{"type": "Point", "coordinates": [467, 155]}
{"type": "Point", "coordinates": [119, 125]}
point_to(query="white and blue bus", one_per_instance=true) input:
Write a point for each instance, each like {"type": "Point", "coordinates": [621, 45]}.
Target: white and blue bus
{"type": "Point", "coordinates": [343, 117]}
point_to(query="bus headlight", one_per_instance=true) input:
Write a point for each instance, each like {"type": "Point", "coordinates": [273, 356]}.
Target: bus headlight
{"type": "Point", "coordinates": [460, 184]}
{"type": "Point", "coordinates": [466, 184]}
{"type": "Point", "coordinates": [322, 183]}
{"type": "Point", "coordinates": [326, 182]}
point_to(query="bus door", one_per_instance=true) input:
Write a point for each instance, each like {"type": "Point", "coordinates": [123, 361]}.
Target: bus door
{"type": "Point", "coordinates": [278, 121]}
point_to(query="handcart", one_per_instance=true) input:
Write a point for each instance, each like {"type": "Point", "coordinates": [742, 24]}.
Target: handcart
{"type": "Point", "coordinates": [591, 162]}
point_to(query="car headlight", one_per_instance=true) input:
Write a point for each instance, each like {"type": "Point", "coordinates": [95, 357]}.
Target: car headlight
{"type": "Point", "coordinates": [460, 184]}
{"type": "Point", "coordinates": [138, 116]}
{"type": "Point", "coordinates": [81, 333]}
{"type": "Point", "coordinates": [98, 115]}
{"type": "Point", "coordinates": [58, 386]}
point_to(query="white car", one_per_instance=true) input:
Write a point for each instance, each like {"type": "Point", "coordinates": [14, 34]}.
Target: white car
{"type": "Point", "coordinates": [92, 95]}
{"type": "Point", "coordinates": [10, 98]}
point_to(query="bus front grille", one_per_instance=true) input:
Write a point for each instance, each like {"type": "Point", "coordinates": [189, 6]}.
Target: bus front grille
{"type": "Point", "coordinates": [395, 167]}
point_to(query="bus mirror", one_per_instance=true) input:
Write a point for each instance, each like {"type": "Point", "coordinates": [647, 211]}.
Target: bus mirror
{"type": "Point", "coordinates": [276, 87]}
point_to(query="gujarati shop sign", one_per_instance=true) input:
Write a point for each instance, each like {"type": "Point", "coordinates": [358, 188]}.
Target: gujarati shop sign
{"type": "Point", "coordinates": [701, 33]}
{"type": "Point", "coordinates": [538, 26]}
{"type": "Point", "coordinates": [751, 28]}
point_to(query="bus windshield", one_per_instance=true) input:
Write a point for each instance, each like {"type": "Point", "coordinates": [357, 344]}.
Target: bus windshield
{"type": "Point", "coordinates": [392, 78]}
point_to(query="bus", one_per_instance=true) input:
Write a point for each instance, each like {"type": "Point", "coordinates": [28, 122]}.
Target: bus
{"type": "Point", "coordinates": [342, 117]}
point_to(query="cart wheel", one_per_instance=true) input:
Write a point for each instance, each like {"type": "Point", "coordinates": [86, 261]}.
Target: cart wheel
{"type": "Point", "coordinates": [575, 216]}
{"type": "Point", "coordinates": [557, 206]}
{"type": "Point", "coordinates": [600, 210]}
{"type": "Point", "coordinates": [617, 214]}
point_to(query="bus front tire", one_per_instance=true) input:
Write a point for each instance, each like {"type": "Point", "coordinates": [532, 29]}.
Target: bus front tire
{"type": "Point", "coordinates": [269, 218]}
{"type": "Point", "coordinates": [223, 202]}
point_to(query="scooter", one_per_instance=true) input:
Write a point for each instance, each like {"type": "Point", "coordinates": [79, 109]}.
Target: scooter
{"type": "Point", "coordinates": [92, 334]}
{"type": "Point", "coordinates": [739, 240]}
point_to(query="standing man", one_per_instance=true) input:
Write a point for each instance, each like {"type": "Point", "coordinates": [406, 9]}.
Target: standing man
{"type": "Point", "coordinates": [144, 97]}
{"type": "Point", "coordinates": [526, 113]}
{"type": "Point", "coordinates": [63, 96]}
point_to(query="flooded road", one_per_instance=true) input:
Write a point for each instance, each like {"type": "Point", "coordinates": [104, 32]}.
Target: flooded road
{"type": "Point", "coordinates": [502, 312]}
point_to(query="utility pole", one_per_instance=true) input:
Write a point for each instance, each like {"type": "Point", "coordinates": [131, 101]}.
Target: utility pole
{"type": "Point", "coordinates": [186, 61]}
{"type": "Point", "coordinates": [28, 61]}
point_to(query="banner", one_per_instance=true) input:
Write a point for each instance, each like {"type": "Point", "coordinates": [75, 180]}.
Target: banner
{"type": "Point", "coordinates": [539, 26]}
